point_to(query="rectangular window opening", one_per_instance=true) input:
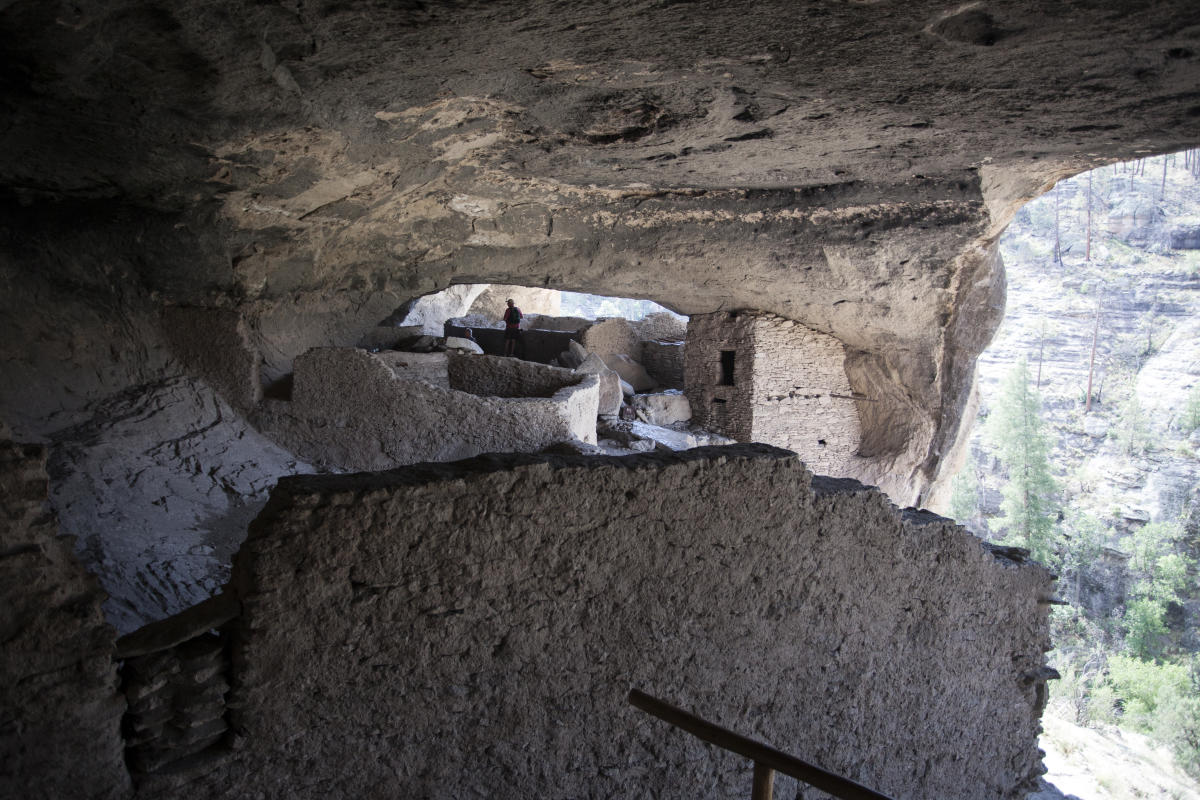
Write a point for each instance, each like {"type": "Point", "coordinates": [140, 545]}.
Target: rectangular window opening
{"type": "Point", "coordinates": [727, 367]}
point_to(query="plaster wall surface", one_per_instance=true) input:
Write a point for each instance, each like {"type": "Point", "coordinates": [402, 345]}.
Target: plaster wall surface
{"type": "Point", "coordinates": [492, 376]}
{"type": "Point", "coordinates": [457, 630]}
{"type": "Point", "coordinates": [352, 410]}
{"type": "Point", "coordinates": [60, 710]}
{"type": "Point", "coordinates": [214, 345]}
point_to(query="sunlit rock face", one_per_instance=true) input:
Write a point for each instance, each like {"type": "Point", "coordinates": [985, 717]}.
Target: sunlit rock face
{"type": "Point", "coordinates": [313, 166]}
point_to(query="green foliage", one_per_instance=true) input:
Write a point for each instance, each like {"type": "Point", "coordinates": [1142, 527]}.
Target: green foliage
{"type": "Point", "coordinates": [1159, 578]}
{"type": "Point", "coordinates": [1161, 700]}
{"type": "Point", "coordinates": [1144, 687]}
{"type": "Point", "coordinates": [1190, 419]}
{"type": "Point", "coordinates": [1159, 572]}
{"type": "Point", "coordinates": [1014, 431]}
{"type": "Point", "coordinates": [964, 494]}
{"type": "Point", "coordinates": [1144, 627]}
{"type": "Point", "coordinates": [1083, 539]}
{"type": "Point", "coordinates": [1179, 725]}
{"type": "Point", "coordinates": [1132, 431]}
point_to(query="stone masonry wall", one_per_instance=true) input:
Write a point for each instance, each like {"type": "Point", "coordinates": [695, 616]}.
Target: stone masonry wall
{"type": "Point", "coordinates": [802, 397]}
{"type": "Point", "coordinates": [664, 362]}
{"type": "Point", "coordinates": [661, 327]}
{"type": "Point", "coordinates": [350, 410]}
{"type": "Point", "coordinates": [60, 709]}
{"type": "Point", "coordinates": [726, 410]}
{"type": "Point", "coordinates": [472, 629]}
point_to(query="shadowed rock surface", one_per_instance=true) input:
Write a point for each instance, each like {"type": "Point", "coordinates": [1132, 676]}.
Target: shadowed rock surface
{"type": "Point", "coordinates": [302, 170]}
{"type": "Point", "coordinates": [895, 648]}
{"type": "Point", "coordinates": [847, 165]}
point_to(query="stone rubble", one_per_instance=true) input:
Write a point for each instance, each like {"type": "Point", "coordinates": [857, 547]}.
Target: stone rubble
{"type": "Point", "coordinates": [663, 408]}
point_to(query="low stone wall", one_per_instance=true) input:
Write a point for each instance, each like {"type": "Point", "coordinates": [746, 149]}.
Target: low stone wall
{"type": "Point", "coordinates": [60, 710]}
{"type": "Point", "coordinates": [538, 345]}
{"type": "Point", "coordinates": [351, 410]}
{"type": "Point", "coordinates": [472, 629]}
{"type": "Point", "coordinates": [490, 376]}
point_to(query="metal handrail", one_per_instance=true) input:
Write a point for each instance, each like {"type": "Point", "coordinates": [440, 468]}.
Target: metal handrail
{"type": "Point", "coordinates": [767, 760]}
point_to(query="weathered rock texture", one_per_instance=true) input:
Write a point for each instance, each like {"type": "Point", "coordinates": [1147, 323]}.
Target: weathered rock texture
{"type": "Point", "coordinates": [159, 485]}
{"type": "Point", "coordinates": [611, 337]}
{"type": "Point", "coordinates": [60, 711]}
{"type": "Point", "coordinates": [214, 346]}
{"type": "Point", "coordinates": [456, 630]}
{"type": "Point", "coordinates": [759, 378]}
{"type": "Point", "coordinates": [176, 725]}
{"type": "Point", "coordinates": [846, 165]}
{"type": "Point", "coordinates": [355, 410]}
{"type": "Point", "coordinates": [492, 302]}
{"type": "Point", "coordinates": [431, 311]}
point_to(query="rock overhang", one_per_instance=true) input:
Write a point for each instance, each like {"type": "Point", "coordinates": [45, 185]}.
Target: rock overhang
{"type": "Point", "coordinates": [848, 165]}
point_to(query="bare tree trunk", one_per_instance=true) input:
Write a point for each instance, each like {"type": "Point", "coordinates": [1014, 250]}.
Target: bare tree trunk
{"type": "Point", "coordinates": [1041, 353]}
{"type": "Point", "coordinates": [1057, 238]}
{"type": "Point", "coordinates": [1162, 191]}
{"type": "Point", "coordinates": [1092, 366]}
{"type": "Point", "coordinates": [1088, 254]}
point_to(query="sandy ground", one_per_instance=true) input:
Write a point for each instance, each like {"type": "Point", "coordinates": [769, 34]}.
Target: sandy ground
{"type": "Point", "coordinates": [1109, 763]}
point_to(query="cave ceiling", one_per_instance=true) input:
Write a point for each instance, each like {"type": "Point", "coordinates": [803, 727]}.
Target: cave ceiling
{"type": "Point", "coordinates": [312, 165]}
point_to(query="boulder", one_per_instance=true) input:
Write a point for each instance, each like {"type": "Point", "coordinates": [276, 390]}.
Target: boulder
{"type": "Point", "coordinates": [626, 389]}
{"type": "Point", "coordinates": [630, 371]}
{"type": "Point", "coordinates": [569, 360]}
{"type": "Point", "coordinates": [664, 408]}
{"type": "Point", "coordinates": [1095, 427]}
{"type": "Point", "coordinates": [610, 384]}
{"type": "Point", "coordinates": [577, 350]}
{"type": "Point", "coordinates": [461, 343]}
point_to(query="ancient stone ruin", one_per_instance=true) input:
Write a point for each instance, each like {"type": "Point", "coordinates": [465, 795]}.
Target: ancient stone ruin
{"type": "Point", "coordinates": [354, 410]}
{"type": "Point", "coordinates": [200, 203]}
{"type": "Point", "coordinates": [376, 623]}
{"type": "Point", "coordinates": [761, 378]}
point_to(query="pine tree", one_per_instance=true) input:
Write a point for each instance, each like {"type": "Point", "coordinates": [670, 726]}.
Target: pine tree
{"type": "Point", "coordinates": [1014, 431]}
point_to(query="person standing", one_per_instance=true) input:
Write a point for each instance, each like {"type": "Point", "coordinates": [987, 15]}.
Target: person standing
{"type": "Point", "coordinates": [512, 327]}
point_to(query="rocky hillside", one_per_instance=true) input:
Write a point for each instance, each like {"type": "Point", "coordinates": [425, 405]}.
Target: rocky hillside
{"type": "Point", "coordinates": [1132, 458]}
{"type": "Point", "coordinates": [1113, 303]}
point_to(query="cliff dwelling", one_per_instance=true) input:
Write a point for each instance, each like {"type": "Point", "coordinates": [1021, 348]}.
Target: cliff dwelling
{"type": "Point", "coordinates": [249, 549]}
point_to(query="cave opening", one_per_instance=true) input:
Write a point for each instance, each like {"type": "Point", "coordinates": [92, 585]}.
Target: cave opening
{"type": "Point", "coordinates": [207, 210]}
{"type": "Point", "coordinates": [1087, 405]}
